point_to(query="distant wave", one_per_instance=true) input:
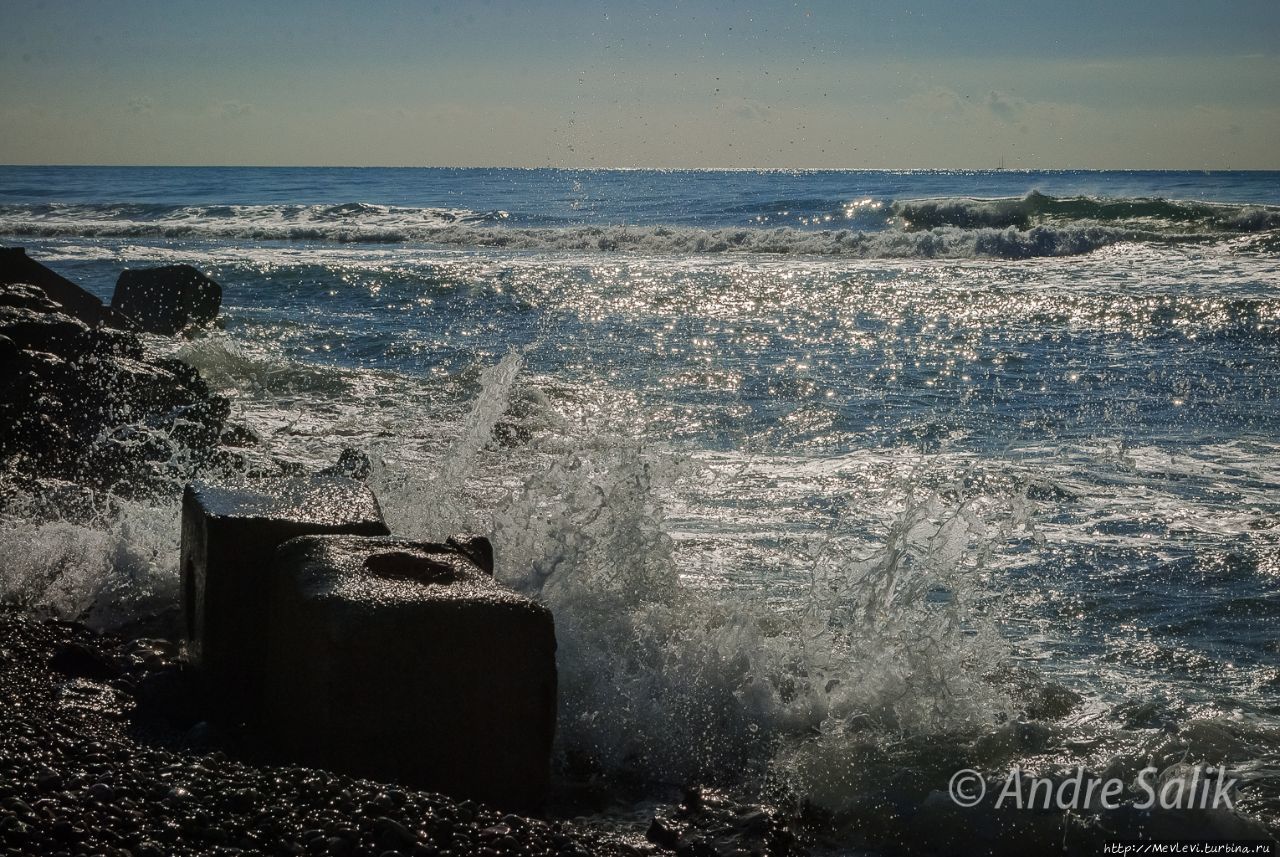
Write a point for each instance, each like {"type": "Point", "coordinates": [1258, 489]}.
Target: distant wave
{"type": "Point", "coordinates": [1014, 228]}
{"type": "Point", "coordinates": [1037, 209]}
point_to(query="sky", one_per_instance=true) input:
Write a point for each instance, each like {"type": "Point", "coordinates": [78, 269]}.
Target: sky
{"type": "Point", "coordinates": [1123, 84]}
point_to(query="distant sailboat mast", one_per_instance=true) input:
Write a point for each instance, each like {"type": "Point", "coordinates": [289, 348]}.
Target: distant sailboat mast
{"type": "Point", "coordinates": [1001, 167]}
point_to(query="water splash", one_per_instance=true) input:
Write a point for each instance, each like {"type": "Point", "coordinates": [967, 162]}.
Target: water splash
{"type": "Point", "coordinates": [666, 681]}
{"type": "Point", "coordinates": [116, 568]}
{"type": "Point", "coordinates": [435, 505]}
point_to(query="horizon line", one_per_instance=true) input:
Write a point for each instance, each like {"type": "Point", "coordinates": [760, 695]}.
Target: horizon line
{"type": "Point", "coordinates": [1005, 169]}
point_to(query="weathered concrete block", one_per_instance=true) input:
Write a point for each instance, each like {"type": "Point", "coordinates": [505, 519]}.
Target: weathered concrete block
{"type": "Point", "coordinates": [229, 538]}
{"type": "Point", "coordinates": [405, 661]}
{"type": "Point", "coordinates": [167, 299]}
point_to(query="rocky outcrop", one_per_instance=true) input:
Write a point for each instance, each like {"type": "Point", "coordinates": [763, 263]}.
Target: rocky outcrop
{"type": "Point", "coordinates": [81, 401]}
{"type": "Point", "coordinates": [83, 404]}
{"type": "Point", "coordinates": [68, 298]}
{"type": "Point", "coordinates": [168, 299]}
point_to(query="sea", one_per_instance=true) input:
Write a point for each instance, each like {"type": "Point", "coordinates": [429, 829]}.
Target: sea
{"type": "Point", "coordinates": [837, 482]}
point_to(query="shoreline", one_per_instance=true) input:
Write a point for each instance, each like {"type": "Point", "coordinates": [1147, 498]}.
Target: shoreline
{"type": "Point", "coordinates": [91, 767]}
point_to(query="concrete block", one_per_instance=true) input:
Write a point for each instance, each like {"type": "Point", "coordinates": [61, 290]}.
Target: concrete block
{"type": "Point", "coordinates": [406, 661]}
{"type": "Point", "coordinates": [229, 538]}
{"type": "Point", "coordinates": [167, 299]}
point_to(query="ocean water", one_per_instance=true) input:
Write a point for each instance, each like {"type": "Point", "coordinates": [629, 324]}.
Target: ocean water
{"type": "Point", "coordinates": [836, 482]}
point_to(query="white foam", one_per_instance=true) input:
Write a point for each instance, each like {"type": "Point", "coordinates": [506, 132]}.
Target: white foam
{"type": "Point", "coordinates": [106, 572]}
{"type": "Point", "coordinates": [381, 224]}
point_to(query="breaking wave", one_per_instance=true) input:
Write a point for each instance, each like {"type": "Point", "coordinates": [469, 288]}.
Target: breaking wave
{"type": "Point", "coordinates": [1035, 225]}
{"type": "Point", "coordinates": [668, 681]}
{"type": "Point", "coordinates": [1037, 209]}
{"type": "Point", "coordinates": [113, 568]}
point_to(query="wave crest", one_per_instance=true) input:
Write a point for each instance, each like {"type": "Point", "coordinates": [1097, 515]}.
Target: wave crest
{"type": "Point", "coordinates": [1012, 228]}
{"type": "Point", "coordinates": [1037, 209]}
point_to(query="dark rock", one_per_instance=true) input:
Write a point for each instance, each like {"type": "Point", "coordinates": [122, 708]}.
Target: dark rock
{"type": "Point", "coordinates": [405, 661]}
{"type": "Point", "coordinates": [16, 267]}
{"type": "Point", "coordinates": [129, 461]}
{"type": "Point", "coordinates": [351, 464]}
{"type": "Point", "coordinates": [229, 536]}
{"type": "Point", "coordinates": [81, 403]}
{"type": "Point", "coordinates": [753, 821]}
{"type": "Point", "coordinates": [235, 434]}
{"type": "Point", "coordinates": [8, 353]}
{"type": "Point", "coordinates": [168, 299]}
{"type": "Point", "coordinates": [102, 793]}
{"type": "Point", "coordinates": [696, 847]}
{"type": "Point", "coordinates": [78, 661]}
{"type": "Point", "coordinates": [477, 548]}
{"type": "Point", "coordinates": [1053, 701]}
{"type": "Point", "coordinates": [150, 652]}
{"type": "Point", "coordinates": [26, 296]}
{"type": "Point", "coordinates": [54, 333]}
{"type": "Point", "coordinates": [663, 834]}
{"type": "Point", "coordinates": [708, 822]}
{"type": "Point", "coordinates": [392, 835]}
{"type": "Point", "coordinates": [49, 781]}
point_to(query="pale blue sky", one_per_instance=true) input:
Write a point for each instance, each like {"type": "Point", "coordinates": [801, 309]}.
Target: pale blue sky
{"type": "Point", "coordinates": [1170, 84]}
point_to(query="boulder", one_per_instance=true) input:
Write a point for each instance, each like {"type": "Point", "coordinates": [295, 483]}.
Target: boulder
{"type": "Point", "coordinates": [168, 299]}
{"type": "Point", "coordinates": [477, 548]}
{"type": "Point", "coordinates": [82, 400]}
{"type": "Point", "coordinates": [17, 268]}
{"type": "Point", "coordinates": [229, 537]}
{"type": "Point", "coordinates": [405, 661]}
{"type": "Point", "coordinates": [351, 463]}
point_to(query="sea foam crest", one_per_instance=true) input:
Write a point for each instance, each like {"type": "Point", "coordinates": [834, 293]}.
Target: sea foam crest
{"type": "Point", "coordinates": [1012, 228]}
{"type": "Point", "coordinates": [1038, 209]}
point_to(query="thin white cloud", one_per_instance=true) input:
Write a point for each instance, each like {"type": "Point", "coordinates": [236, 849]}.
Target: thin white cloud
{"type": "Point", "coordinates": [1004, 106]}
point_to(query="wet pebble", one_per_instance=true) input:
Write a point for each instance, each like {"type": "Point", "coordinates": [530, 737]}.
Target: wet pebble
{"type": "Point", "coordinates": [76, 781]}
